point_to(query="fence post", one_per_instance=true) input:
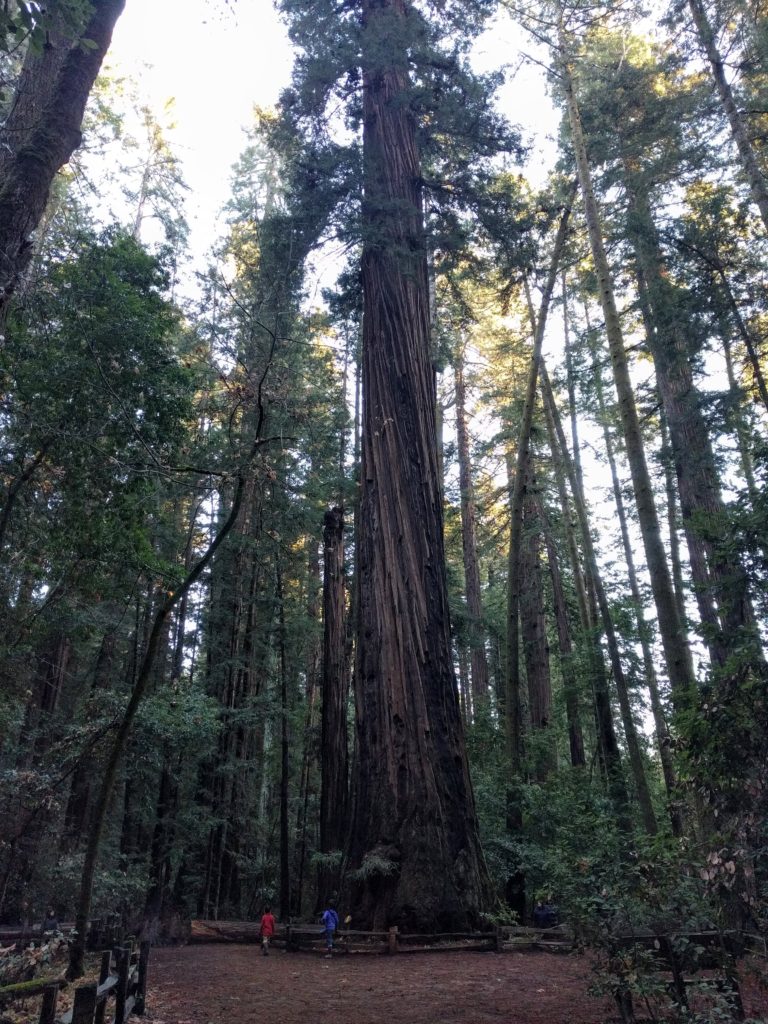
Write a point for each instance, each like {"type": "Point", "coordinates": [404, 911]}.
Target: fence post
{"type": "Point", "coordinates": [93, 933]}
{"type": "Point", "coordinates": [123, 962]}
{"type": "Point", "coordinates": [392, 940]}
{"type": "Point", "coordinates": [101, 1006]}
{"type": "Point", "coordinates": [141, 990]}
{"type": "Point", "coordinates": [499, 938]}
{"type": "Point", "coordinates": [85, 1004]}
{"type": "Point", "coordinates": [48, 1009]}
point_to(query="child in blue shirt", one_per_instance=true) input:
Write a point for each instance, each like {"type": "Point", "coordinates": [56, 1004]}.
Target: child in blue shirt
{"type": "Point", "coordinates": [330, 921]}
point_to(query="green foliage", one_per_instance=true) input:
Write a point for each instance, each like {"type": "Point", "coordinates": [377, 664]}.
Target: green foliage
{"type": "Point", "coordinates": [374, 865]}
{"type": "Point", "coordinates": [94, 390]}
{"type": "Point", "coordinates": [28, 21]}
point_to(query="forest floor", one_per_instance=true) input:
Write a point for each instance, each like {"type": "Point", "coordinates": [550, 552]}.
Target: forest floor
{"type": "Point", "coordinates": [213, 984]}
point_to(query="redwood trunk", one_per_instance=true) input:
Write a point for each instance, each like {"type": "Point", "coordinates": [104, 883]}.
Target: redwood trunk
{"type": "Point", "coordinates": [414, 849]}
{"type": "Point", "coordinates": [608, 747]}
{"type": "Point", "coordinates": [513, 715]}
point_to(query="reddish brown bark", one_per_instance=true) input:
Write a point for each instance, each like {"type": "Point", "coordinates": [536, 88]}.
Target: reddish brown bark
{"type": "Point", "coordinates": [414, 851]}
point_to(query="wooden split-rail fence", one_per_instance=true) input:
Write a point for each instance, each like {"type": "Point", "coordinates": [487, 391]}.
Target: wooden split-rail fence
{"type": "Point", "coordinates": [123, 974]}
{"type": "Point", "coordinates": [311, 938]}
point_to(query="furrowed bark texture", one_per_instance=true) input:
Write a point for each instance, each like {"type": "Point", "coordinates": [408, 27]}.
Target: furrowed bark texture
{"type": "Point", "coordinates": [28, 175]}
{"type": "Point", "coordinates": [414, 853]}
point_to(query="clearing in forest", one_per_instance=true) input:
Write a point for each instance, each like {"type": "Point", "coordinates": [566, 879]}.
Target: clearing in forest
{"type": "Point", "coordinates": [213, 984]}
{"type": "Point", "coordinates": [234, 984]}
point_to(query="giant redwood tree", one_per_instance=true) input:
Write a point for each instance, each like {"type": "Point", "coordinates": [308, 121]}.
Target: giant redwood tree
{"type": "Point", "coordinates": [42, 128]}
{"type": "Point", "coordinates": [414, 852]}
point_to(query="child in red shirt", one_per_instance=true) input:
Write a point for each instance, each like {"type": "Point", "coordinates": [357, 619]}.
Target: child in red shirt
{"type": "Point", "coordinates": [267, 929]}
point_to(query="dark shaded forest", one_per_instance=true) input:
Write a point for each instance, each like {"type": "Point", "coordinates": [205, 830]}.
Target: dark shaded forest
{"type": "Point", "coordinates": [444, 595]}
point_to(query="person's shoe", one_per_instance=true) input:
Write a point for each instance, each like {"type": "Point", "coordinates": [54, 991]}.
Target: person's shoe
{"type": "Point", "coordinates": [328, 956]}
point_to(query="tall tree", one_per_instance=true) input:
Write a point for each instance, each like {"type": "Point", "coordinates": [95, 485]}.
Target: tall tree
{"type": "Point", "coordinates": [334, 757]}
{"type": "Point", "coordinates": [414, 845]}
{"type": "Point", "coordinates": [676, 651]}
{"type": "Point", "coordinates": [748, 159]}
{"type": "Point", "coordinates": [478, 660]}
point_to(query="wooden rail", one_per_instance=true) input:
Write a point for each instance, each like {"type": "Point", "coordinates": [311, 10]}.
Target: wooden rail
{"type": "Point", "coordinates": [392, 941]}
{"type": "Point", "coordinates": [128, 982]}
{"type": "Point", "coordinates": [311, 937]}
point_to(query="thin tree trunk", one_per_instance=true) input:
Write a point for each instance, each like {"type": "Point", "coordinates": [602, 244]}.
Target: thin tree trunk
{"type": "Point", "coordinates": [565, 646]}
{"type": "Point", "coordinates": [285, 852]}
{"type": "Point", "coordinates": [676, 651]}
{"type": "Point", "coordinates": [751, 168]}
{"type": "Point", "coordinates": [716, 266]}
{"type": "Point", "coordinates": [720, 587]}
{"type": "Point", "coordinates": [465, 691]}
{"type": "Point", "coordinates": [663, 739]}
{"type": "Point", "coordinates": [575, 443]}
{"type": "Point", "coordinates": [740, 428]}
{"type": "Point", "coordinates": [670, 492]}
{"type": "Point", "coordinates": [16, 486]}
{"type": "Point", "coordinates": [634, 752]}
{"type": "Point", "coordinates": [606, 733]}
{"type": "Point", "coordinates": [160, 868]}
{"type": "Point", "coordinates": [472, 587]}
{"type": "Point", "coordinates": [746, 336]}
{"type": "Point", "coordinates": [77, 948]}
{"type": "Point", "coordinates": [334, 766]}
{"type": "Point", "coordinates": [513, 715]}
{"type": "Point", "coordinates": [309, 752]}
{"type": "Point", "coordinates": [533, 629]}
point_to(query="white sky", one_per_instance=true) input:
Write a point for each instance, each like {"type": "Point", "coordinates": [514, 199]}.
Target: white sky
{"type": "Point", "coordinates": [217, 58]}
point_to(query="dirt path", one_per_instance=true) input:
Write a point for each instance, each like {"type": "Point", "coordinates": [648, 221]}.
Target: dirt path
{"type": "Point", "coordinates": [232, 984]}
